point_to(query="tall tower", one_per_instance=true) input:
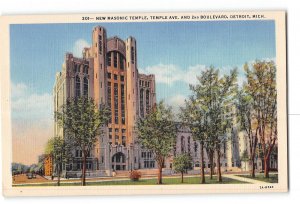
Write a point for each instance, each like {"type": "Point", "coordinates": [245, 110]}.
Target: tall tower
{"type": "Point", "coordinates": [116, 90]}
{"type": "Point", "coordinates": [98, 51]}
{"type": "Point", "coordinates": [132, 91]}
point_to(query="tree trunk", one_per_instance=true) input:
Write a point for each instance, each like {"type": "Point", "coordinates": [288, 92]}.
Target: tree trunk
{"type": "Point", "coordinates": [83, 170]}
{"type": "Point", "coordinates": [211, 160]}
{"type": "Point", "coordinates": [202, 163]}
{"type": "Point", "coordinates": [253, 167]}
{"type": "Point", "coordinates": [266, 162]}
{"type": "Point", "coordinates": [58, 175]}
{"type": "Point", "coordinates": [181, 177]}
{"type": "Point", "coordinates": [159, 178]}
{"type": "Point", "coordinates": [219, 166]}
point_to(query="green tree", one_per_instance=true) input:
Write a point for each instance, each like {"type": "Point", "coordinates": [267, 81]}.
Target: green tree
{"type": "Point", "coordinates": [81, 120]}
{"type": "Point", "coordinates": [192, 116]}
{"type": "Point", "coordinates": [245, 156]}
{"type": "Point", "coordinates": [182, 163]}
{"type": "Point", "coordinates": [261, 86]}
{"type": "Point", "coordinates": [157, 133]}
{"type": "Point", "coordinates": [60, 151]}
{"type": "Point", "coordinates": [212, 102]}
{"type": "Point", "coordinates": [248, 123]}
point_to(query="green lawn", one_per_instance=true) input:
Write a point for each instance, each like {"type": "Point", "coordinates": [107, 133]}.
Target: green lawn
{"type": "Point", "coordinates": [273, 178]}
{"type": "Point", "coordinates": [152, 181]}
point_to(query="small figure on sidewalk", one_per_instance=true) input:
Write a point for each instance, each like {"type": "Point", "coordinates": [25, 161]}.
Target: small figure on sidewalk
{"type": "Point", "coordinates": [114, 173]}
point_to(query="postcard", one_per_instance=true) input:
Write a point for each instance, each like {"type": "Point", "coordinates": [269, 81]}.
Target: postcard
{"type": "Point", "coordinates": [144, 103]}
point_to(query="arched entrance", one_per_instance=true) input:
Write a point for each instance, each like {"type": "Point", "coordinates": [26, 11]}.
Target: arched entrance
{"type": "Point", "coordinates": [118, 161]}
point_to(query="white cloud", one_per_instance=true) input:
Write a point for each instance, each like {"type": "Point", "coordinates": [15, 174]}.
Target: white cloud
{"type": "Point", "coordinates": [190, 77]}
{"type": "Point", "coordinates": [176, 100]}
{"type": "Point", "coordinates": [78, 47]}
{"type": "Point", "coordinates": [30, 106]}
{"type": "Point", "coordinates": [169, 73]}
{"type": "Point", "coordinates": [164, 73]}
{"type": "Point", "coordinates": [18, 89]}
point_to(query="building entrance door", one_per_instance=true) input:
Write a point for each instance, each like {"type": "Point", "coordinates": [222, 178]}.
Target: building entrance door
{"type": "Point", "coordinates": [118, 162]}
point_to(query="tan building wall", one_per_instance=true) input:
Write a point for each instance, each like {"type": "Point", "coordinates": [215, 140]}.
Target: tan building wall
{"type": "Point", "coordinates": [48, 165]}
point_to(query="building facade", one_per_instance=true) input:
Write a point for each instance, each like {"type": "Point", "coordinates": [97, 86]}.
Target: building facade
{"type": "Point", "coordinates": [108, 73]}
{"type": "Point", "coordinates": [48, 165]}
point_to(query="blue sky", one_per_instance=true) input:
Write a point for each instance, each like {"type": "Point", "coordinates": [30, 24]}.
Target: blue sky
{"type": "Point", "coordinates": [37, 51]}
{"type": "Point", "coordinates": [174, 51]}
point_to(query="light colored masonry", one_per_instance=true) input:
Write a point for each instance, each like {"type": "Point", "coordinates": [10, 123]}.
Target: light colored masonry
{"type": "Point", "coordinates": [108, 72]}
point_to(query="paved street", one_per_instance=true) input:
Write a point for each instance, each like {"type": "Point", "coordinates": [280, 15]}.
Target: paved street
{"type": "Point", "coordinates": [22, 178]}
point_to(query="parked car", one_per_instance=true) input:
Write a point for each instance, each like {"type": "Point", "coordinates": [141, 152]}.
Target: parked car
{"type": "Point", "coordinates": [29, 175]}
{"type": "Point", "coordinates": [71, 175]}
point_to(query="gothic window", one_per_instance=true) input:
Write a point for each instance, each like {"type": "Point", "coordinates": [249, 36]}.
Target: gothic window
{"type": "Point", "coordinates": [123, 103]}
{"type": "Point", "coordinates": [77, 68]}
{"type": "Point", "coordinates": [77, 86]}
{"type": "Point", "coordinates": [109, 59]}
{"type": "Point", "coordinates": [174, 150]}
{"type": "Point", "coordinates": [79, 166]}
{"type": "Point", "coordinates": [116, 103]}
{"type": "Point", "coordinates": [124, 141]}
{"type": "Point", "coordinates": [142, 102]}
{"type": "Point", "coordinates": [85, 86]}
{"type": "Point", "coordinates": [89, 165]}
{"type": "Point", "coordinates": [147, 101]}
{"type": "Point", "coordinates": [109, 97]}
{"type": "Point", "coordinates": [78, 153]}
{"type": "Point", "coordinates": [121, 62]}
{"type": "Point", "coordinates": [132, 55]}
{"type": "Point", "coordinates": [195, 148]}
{"type": "Point", "coordinates": [189, 145]}
{"type": "Point", "coordinates": [115, 59]}
{"type": "Point", "coordinates": [86, 69]}
{"type": "Point", "coordinates": [100, 44]}
{"type": "Point", "coordinates": [182, 144]}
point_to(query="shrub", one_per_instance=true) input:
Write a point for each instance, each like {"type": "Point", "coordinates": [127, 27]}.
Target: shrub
{"type": "Point", "coordinates": [135, 175]}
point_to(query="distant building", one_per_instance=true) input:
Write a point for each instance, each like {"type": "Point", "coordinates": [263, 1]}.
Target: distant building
{"type": "Point", "coordinates": [48, 165]}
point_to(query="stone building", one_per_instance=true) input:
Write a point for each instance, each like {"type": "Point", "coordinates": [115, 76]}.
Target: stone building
{"type": "Point", "coordinates": [108, 73]}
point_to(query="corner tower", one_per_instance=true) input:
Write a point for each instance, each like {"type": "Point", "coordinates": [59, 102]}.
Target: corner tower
{"type": "Point", "coordinates": [132, 90]}
{"type": "Point", "coordinates": [98, 53]}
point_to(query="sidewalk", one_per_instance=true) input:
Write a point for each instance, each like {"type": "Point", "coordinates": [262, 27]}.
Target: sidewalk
{"type": "Point", "coordinates": [248, 180]}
